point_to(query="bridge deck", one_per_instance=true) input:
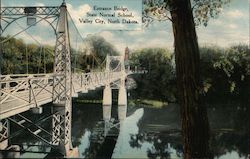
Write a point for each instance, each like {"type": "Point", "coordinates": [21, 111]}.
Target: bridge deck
{"type": "Point", "coordinates": [15, 106]}
{"type": "Point", "coordinates": [20, 93]}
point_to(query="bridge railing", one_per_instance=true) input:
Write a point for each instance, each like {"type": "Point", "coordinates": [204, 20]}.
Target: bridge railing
{"type": "Point", "coordinates": [27, 87]}
{"type": "Point", "coordinates": [24, 90]}
{"type": "Point", "coordinates": [36, 89]}
{"type": "Point", "coordinates": [91, 80]}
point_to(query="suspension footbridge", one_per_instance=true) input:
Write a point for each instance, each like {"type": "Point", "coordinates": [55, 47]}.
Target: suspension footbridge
{"type": "Point", "coordinates": [23, 92]}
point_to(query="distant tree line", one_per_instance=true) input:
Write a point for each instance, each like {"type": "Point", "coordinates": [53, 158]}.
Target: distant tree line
{"type": "Point", "coordinates": [95, 54]}
{"type": "Point", "coordinates": [225, 74]}
{"type": "Point", "coordinates": [19, 57]}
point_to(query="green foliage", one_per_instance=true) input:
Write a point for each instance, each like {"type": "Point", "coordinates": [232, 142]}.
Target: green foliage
{"type": "Point", "coordinates": [202, 9]}
{"type": "Point", "coordinates": [95, 54]}
{"type": "Point", "coordinates": [19, 58]}
{"type": "Point", "coordinates": [227, 72]}
{"type": "Point", "coordinates": [159, 82]}
{"type": "Point", "coordinates": [101, 47]}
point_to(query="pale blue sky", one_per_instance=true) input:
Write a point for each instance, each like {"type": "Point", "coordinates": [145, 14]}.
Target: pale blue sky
{"type": "Point", "coordinates": [231, 27]}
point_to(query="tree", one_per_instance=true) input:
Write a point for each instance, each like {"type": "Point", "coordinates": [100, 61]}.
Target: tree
{"type": "Point", "coordinates": [234, 66]}
{"type": "Point", "coordinates": [159, 82]}
{"type": "Point", "coordinates": [17, 55]}
{"type": "Point", "coordinates": [96, 51]}
{"type": "Point", "coordinates": [195, 126]}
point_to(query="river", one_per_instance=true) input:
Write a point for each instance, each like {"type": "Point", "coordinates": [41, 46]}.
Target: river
{"type": "Point", "coordinates": [150, 133]}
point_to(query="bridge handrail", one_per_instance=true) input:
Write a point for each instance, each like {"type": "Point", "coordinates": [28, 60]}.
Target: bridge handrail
{"type": "Point", "coordinates": [24, 89]}
{"type": "Point", "coordinates": [9, 79]}
{"type": "Point", "coordinates": [12, 85]}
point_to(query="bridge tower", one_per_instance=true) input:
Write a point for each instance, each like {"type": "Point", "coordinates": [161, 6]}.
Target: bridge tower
{"type": "Point", "coordinates": [122, 96]}
{"type": "Point", "coordinates": [107, 95]}
{"type": "Point", "coordinates": [62, 87]}
{"type": "Point", "coordinates": [120, 85]}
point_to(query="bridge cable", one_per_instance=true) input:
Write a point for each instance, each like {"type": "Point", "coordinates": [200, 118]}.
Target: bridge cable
{"type": "Point", "coordinates": [94, 57]}
{"type": "Point", "coordinates": [41, 46]}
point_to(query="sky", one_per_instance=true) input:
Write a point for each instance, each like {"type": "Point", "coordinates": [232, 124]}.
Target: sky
{"type": "Point", "coordinates": [231, 27]}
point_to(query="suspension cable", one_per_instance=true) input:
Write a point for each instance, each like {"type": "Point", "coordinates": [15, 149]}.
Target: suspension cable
{"type": "Point", "coordinates": [95, 59]}
{"type": "Point", "coordinates": [33, 38]}
{"type": "Point", "coordinates": [27, 60]}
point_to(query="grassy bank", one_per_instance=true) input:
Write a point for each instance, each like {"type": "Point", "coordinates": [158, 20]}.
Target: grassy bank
{"type": "Point", "coordinates": [147, 103]}
{"type": "Point", "coordinates": [131, 103]}
{"type": "Point", "coordinates": [86, 101]}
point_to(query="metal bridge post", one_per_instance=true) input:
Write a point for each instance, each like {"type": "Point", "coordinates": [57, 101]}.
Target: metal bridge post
{"type": "Point", "coordinates": [62, 86]}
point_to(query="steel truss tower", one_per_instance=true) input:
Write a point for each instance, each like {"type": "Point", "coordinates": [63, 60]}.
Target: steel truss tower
{"type": "Point", "coordinates": [62, 88]}
{"type": "Point", "coordinates": [62, 80]}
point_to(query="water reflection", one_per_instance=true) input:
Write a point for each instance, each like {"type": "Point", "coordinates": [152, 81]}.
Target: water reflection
{"type": "Point", "coordinates": [101, 141]}
{"type": "Point", "coordinates": [143, 134]}
{"type": "Point", "coordinates": [231, 155]}
{"type": "Point", "coordinates": [226, 143]}
{"type": "Point", "coordinates": [33, 149]}
{"type": "Point", "coordinates": [85, 142]}
{"type": "Point", "coordinates": [163, 146]}
{"type": "Point", "coordinates": [132, 143]}
{"type": "Point", "coordinates": [129, 127]}
{"type": "Point", "coordinates": [230, 132]}
{"type": "Point", "coordinates": [150, 133]}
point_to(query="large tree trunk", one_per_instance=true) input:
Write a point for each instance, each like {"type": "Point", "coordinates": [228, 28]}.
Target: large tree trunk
{"type": "Point", "coordinates": [195, 127]}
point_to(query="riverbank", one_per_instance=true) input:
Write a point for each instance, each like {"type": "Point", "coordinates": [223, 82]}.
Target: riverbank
{"type": "Point", "coordinates": [131, 102]}
{"type": "Point", "coordinates": [147, 103]}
